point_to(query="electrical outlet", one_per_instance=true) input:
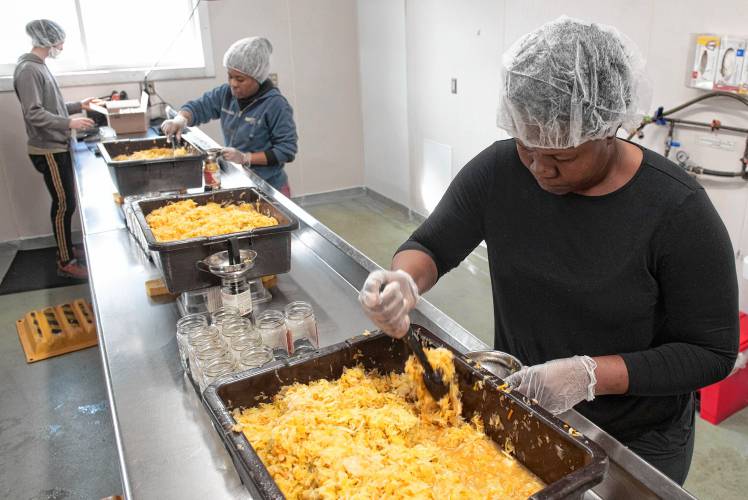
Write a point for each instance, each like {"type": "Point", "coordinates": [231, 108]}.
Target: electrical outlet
{"type": "Point", "coordinates": [454, 85]}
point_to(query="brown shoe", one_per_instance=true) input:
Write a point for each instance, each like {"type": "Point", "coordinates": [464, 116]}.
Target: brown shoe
{"type": "Point", "coordinates": [73, 269]}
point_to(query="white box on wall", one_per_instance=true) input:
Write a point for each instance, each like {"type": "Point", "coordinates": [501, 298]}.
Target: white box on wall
{"type": "Point", "coordinates": [705, 60]}
{"type": "Point", "coordinates": [743, 86]}
{"type": "Point", "coordinates": [730, 63]}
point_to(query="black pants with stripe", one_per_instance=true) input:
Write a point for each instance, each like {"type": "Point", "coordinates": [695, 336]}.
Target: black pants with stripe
{"type": "Point", "coordinates": [57, 169]}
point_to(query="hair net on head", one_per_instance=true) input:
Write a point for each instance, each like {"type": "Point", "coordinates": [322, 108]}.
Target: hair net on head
{"type": "Point", "coordinates": [45, 33]}
{"type": "Point", "coordinates": [251, 56]}
{"type": "Point", "coordinates": [569, 82]}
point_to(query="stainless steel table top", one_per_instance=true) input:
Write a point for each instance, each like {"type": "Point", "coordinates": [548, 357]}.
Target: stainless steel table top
{"type": "Point", "coordinates": [166, 444]}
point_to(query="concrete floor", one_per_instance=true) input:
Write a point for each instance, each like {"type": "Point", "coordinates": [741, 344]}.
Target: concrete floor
{"type": "Point", "coordinates": [720, 464]}
{"type": "Point", "coordinates": [56, 435]}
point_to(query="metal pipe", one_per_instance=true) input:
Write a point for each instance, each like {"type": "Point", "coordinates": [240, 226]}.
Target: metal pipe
{"type": "Point", "coordinates": [707, 125]}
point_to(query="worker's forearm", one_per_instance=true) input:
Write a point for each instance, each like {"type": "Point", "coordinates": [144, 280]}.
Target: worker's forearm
{"type": "Point", "coordinates": [187, 116]}
{"type": "Point", "coordinates": [258, 158]}
{"type": "Point", "coordinates": [612, 375]}
{"type": "Point", "coordinates": [419, 265]}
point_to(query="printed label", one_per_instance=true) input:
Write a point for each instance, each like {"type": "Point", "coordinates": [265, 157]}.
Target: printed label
{"type": "Point", "coordinates": [242, 301]}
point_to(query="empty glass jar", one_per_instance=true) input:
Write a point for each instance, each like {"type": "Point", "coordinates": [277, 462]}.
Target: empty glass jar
{"type": "Point", "coordinates": [272, 327]}
{"type": "Point", "coordinates": [234, 329]}
{"type": "Point", "coordinates": [210, 354]}
{"type": "Point", "coordinates": [255, 357]}
{"type": "Point", "coordinates": [250, 341]}
{"type": "Point", "coordinates": [214, 371]}
{"type": "Point", "coordinates": [302, 326]}
{"type": "Point", "coordinates": [199, 340]}
{"type": "Point", "coordinates": [222, 314]}
{"type": "Point", "coordinates": [185, 326]}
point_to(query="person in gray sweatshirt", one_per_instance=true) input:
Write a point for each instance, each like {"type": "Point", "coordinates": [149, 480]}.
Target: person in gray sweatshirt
{"type": "Point", "coordinates": [48, 126]}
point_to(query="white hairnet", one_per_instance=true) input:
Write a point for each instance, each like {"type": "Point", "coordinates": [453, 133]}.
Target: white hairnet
{"type": "Point", "coordinates": [45, 33]}
{"type": "Point", "coordinates": [250, 56]}
{"type": "Point", "coordinates": [569, 82]}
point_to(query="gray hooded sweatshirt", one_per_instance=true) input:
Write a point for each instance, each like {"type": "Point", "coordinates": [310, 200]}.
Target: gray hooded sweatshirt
{"type": "Point", "coordinates": [44, 109]}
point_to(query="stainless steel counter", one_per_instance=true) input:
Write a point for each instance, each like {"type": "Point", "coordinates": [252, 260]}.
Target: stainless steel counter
{"type": "Point", "coordinates": [166, 444]}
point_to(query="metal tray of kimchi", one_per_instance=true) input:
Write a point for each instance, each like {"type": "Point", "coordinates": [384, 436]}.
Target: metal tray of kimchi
{"type": "Point", "coordinates": [566, 461]}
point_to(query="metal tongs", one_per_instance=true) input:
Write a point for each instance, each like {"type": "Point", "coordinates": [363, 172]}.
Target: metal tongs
{"type": "Point", "coordinates": [432, 378]}
{"type": "Point", "coordinates": [173, 139]}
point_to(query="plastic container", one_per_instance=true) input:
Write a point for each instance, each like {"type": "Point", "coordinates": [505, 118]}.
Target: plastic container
{"type": "Point", "coordinates": [177, 259]}
{"type": "Point", "coordinates": [141, 176]}
{"type": "Point", "coordinates": [728, 396]}
{"type": "Point", "coordinates": [565, 460]}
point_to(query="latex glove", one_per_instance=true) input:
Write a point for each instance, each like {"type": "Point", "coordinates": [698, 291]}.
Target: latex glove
{"type": "Point", "coordinates": [236, 156]}
{"type": "Point", "coordinates": [174, 126]}
{"type": "Point", "coordinates": [80, 123]}
{"type": "Point", "coordinates": [390, 308]}
{"type": "Point", "coordinates": [740, 362]}
{"type": "Point", "coordinates": [86, 103]}
{"type": "Point", "coordinates": [559, 384]}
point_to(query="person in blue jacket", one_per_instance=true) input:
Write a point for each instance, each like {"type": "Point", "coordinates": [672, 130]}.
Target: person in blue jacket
{"type": "Point", "coordinates": [257, 121]}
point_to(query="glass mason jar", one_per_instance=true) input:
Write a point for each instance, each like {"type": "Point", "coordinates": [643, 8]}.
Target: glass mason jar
{"type": "Point", "coordinates": [186, 325]}
{"type": "Point", "coordinates": [205, 334]}
{"type": "Point", "coordinates": [211, 173]}
{"type": "Point", "coordinates": [215, 370]}
{"type": "Point", "coordinates": [249, 341]}
{"type": "Point", "coordinates": [211, 353]}
{"type": "Point", "coordinates": [302, 326]}
{"type": "Point", "coordinates": [235, 328]}
{"type": "Point", "coordinates": [272, 327]}
{"type": "Point", "coordinates": [200, 340]}
{"type": "Point", "coordinates": [222, 314]}
{"type": "Point", "coordinates": [255, 357]}
{"type": "Point", "coordinates": [235, 293]}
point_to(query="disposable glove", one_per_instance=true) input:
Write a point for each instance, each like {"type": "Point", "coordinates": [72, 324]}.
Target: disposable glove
{"type": "Point", "coordinates": [740, 362]}
{"type": "Point", "coordinates": [86, 103]}
{"type": "Point", "coordinates": [390, 308]}
{"type": "Point", "coordinates": [80, 123]}
{"type": "Point", "coordinates": [559, 384]}
{"type": "Point", "coordinates": [174, 126]}
{"type": "Point", "coordinates": [236, 156]}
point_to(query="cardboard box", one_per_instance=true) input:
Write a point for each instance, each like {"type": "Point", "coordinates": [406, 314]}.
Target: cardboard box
{"type": "Point", "coordinates": [706, 56]}
{"type": "Point", "coordinates": [730, 63]}
{"type": "Point", "coordinates": [126, 117]}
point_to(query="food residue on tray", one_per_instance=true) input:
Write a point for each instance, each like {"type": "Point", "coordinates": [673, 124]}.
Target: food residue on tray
{"type": "Point", "coordinates": [186, 219]}
{"type": "Point", "coordinates": [368, 435]}
{"type": "Point", "coordinates": [153, 154]}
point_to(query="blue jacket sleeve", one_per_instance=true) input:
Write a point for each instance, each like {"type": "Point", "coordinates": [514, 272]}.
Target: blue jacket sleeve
{"type": "Point", "coordinates": [208, 106]}
{"type": "Point", "coordinates": [283, 133]}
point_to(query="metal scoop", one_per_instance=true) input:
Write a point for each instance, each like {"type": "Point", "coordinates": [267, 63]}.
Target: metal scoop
{"type": "Point", "coordinates": [173, 140]}
{"type": "Point", "coordinates": [432, 378]}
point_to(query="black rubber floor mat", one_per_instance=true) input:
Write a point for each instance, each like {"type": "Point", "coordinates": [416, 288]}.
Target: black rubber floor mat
{"type": "Point", "coordinates": [34, 270]}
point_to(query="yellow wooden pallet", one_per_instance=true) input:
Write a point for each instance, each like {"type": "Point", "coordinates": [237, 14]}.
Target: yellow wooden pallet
{"type": "Point", "coordinates": [57, 330]}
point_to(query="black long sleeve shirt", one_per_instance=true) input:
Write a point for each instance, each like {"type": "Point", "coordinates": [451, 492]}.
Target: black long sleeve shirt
{"type": "Point", "coordinates": [646, 272]}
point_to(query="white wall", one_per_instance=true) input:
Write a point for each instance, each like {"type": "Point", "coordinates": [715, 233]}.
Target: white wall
{"type": "Point", "coordinates": [381, 28]}
{"type": "Point", "coordinates": [316, 58]}
{"type": "Point", "coordinates": [465, 40]}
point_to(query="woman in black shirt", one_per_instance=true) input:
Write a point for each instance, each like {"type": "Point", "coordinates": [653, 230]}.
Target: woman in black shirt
{"type": "Point", "coordinates": [613, 277]}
